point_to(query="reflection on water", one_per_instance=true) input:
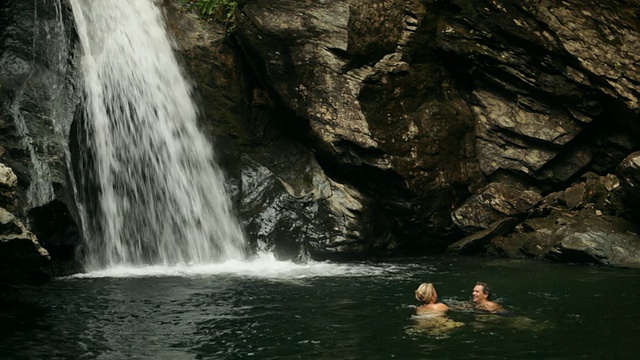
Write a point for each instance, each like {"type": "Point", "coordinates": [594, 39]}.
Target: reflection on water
{"type": "Point", "coordinates": [517, 322]}
{"type": "Point", "coordinates": [463, 313]}
{"type": "Point", "coordinates": [323, 311]}
{"type": "Point", "coordinates": [436, 325]}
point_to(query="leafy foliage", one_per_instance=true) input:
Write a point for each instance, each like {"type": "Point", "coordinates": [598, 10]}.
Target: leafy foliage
{"type": "Point", "coordinates": [221, 10]}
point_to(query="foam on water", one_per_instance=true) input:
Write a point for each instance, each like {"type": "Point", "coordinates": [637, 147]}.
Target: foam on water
{"type": "Point", "coordinates": [264, 265]}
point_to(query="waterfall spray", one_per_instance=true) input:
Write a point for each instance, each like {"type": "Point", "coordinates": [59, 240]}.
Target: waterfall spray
{"type": "Point", "coordinates": [161, 198]}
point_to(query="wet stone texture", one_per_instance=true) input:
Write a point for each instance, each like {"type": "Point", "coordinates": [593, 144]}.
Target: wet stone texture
{"type": "Point", "coordinates": [357, 129]}
{"type": "Point", "coordinates": [452, 116]}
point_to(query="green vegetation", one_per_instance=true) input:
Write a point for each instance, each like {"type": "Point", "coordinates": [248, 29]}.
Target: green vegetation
{"type": "Point", "coordinates": [219, 10]}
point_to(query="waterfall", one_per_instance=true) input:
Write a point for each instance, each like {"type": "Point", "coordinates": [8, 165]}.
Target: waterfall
{"type": "Point", "coordinates": [161, 197]}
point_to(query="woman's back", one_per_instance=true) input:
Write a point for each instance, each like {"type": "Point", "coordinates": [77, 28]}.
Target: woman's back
{"type": "Point", "coordinates": [431, 308]}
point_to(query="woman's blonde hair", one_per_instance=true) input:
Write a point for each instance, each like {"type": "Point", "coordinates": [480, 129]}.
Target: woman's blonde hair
{"type": "Point", "coordinates": [425, 292]}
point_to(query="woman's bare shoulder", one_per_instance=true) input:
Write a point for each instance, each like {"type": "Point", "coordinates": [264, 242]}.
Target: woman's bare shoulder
{"type": "Point", "coordinates": [441, 307]}
{"type": "Point", "coordinates": [431, 308]}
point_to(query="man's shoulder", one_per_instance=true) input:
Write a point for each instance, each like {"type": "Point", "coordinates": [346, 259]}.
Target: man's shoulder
{"type": "Point", "coordinates": [489, 306]}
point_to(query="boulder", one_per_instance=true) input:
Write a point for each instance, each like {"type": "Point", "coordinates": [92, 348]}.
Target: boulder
{"type": "Point", "coordinates": [296, 218]}
{"type": "Point", "coordinates": [8, 184]}
{"type": "Point", "coordinates": [584, 236]}
{"type": "Point", "coordinates": [492, 203]}
{"type": "Point", "coordinates": [22, 259]}
{"type": "Point", "coordinates": [629, 171]}
{"type": "Point", "coordinates": [475, 242]}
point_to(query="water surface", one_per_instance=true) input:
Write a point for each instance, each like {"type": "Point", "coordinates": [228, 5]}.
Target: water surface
{"type": "Point", "coordinates": [278, 310]}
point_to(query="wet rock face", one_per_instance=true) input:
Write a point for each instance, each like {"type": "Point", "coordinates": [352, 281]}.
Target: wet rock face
{"type": "Point", "coordinates": [281, 213]}
{"type": "Point", "coordinates": [492, 203]}
{"type": "Point", "coordinates": [355, 127]}
{"type": "Point", "coordinates": [585, 223]}
{"type": "Point", "coordinates": [629, 170]}
{"type": "Point", "coordinates": [285, 196]}
{"type": "Point", "coordinates": [36, 74]}
{"type": "Point", "coordinates": [37, 101]}
{"type": "Point", "coordinates": [22, 259]}
{"type": "Point", "coordinates": [437, 99]}
{"type": "Point", "coordinates": [552, 83]}
{"type": "Point", "coordinates": [585, 236]}
{"type": "Point", "coordinates": [378, 124]}
{"type": "Point", "coordinates": [59, 234]}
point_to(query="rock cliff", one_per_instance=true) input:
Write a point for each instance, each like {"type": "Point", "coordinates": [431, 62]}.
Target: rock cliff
{"type": "Point", "coordinates": [449, 117]}
{"type": "Point", "coordinates": [355, 128]}
{"type": "Point", "coordinates": [38, 96]}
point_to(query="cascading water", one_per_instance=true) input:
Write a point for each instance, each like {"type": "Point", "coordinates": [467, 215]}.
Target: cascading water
{"type": "Point", "coordinates": [161, 198]}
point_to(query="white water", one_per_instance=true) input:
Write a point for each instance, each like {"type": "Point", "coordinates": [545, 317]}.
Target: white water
{"type": "Point", "coordinates": [162, 198]}
{"type": "Point", "coordinates": [263, 266]}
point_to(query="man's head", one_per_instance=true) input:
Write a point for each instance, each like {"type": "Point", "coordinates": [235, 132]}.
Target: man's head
{"type": "Point", "coordinates": [481, 292]}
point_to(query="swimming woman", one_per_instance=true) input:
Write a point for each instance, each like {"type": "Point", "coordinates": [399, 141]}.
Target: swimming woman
{"type": "Point", "coordinates": [426, 293]}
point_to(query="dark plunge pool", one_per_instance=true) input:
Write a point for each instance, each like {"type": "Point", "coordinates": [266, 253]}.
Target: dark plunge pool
{"type": "Point", "coordinates": [277, 310]}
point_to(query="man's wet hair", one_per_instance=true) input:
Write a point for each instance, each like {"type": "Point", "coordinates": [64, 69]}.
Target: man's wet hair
{"type": "Point", "coordinates": [486, 289]}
